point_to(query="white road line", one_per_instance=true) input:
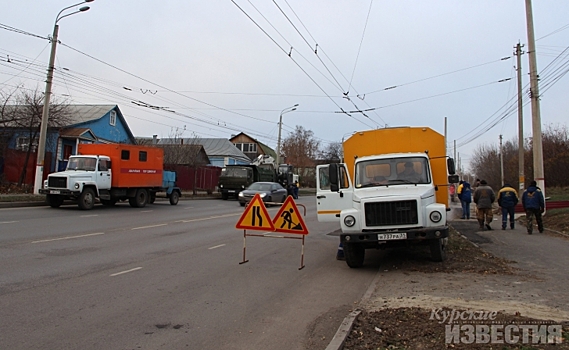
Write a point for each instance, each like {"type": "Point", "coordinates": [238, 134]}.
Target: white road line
{"type": "Point", "coordinates": [123, 272]}
{"type": "Point", "coordinates": [216, 246]}
{"type": "Point", "coordinates": [68, 237]}
{"type": "Point", "coordinates": [271, 235]}
{"type": "Point", "coordinates": [88, 216]}
{"type": "Point", "coordinates": [209, 218]}
{"type": "Point", "coordinates": [8, 222]}
{"type": "Point", "coordinates": [151, 226]}
{"type": "Point", "coordinates": [147, 211]}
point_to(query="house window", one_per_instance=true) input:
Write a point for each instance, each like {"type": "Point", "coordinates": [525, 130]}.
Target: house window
{"type": "Point", "coordinates": [125, 154]}
{"type": "Point", "coordinates": [113, 118]}
{"type": "Point", "coordinates": [247, 147]}
{"type": "Point", "coordinates": [23, 143]}
{"type": "Point", "coordinates": [142, 155]}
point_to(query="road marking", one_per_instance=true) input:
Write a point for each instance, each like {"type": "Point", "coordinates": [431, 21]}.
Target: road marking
{"type": "Point", "coordinates": [69, 237]}
{"type": "Point", "coordinates": [216, 246]}
{"type": "Point", "coordinates": [151, 226]}
{"type": "Point", "coordinates": [123, 272]}
{"type": "Point", "coordinates": [209, 218]}
{"type": "Point", "coordinates": [8, 222]}
{"type": "Point", "coordinates": [88, 216]}
{"type": "Point", "coordinates": [147, 211]}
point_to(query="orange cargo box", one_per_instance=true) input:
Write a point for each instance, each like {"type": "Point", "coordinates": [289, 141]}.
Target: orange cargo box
{"type": "Point", "coordinates": [131, 165]}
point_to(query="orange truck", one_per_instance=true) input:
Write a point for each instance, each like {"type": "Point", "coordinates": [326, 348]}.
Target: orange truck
{"type": "Point", "coordinates": [391, 191]}
{"type": "Point", "coordinates": [112, 173]}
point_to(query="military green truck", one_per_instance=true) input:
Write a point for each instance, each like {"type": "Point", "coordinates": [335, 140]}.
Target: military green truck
{"type": "Point", "coordinates": [235, 178]}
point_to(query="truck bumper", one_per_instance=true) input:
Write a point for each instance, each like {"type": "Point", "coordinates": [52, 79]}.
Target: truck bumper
{"type": "Point", "coordinates": [60, 192]}
{"type": "Point", "coordinates": [394, 238]}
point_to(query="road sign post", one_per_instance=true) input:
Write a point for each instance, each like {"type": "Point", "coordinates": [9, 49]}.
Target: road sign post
{"type": "Point", "coordinates": [287, 220]}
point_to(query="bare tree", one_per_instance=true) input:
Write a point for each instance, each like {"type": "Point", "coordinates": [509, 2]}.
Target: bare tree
{"type": "Point", "coordinates": [21, 116]}
{"type": "Point", "coordinates": [555, 142]}
{"type": "Point", "coordinates": [301, 149]}
{"type": "Point", "coordinates": [332, 153]}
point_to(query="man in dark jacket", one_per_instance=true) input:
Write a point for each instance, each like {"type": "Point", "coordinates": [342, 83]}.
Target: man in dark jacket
{"type": "Point", "coordinates": [484, 196]}
{"type": "Point", "coordinates": [534, 205]}
{"type": "Point", "coordinates": [465, 196]}
{"type": "Point", "coordinates": [507, 200]}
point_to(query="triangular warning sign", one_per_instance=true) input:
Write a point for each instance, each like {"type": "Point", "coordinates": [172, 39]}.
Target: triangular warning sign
{"type": "Point", "coordinates": [255, 216]}
{"type": "Point", "coordinates": [289, 220]}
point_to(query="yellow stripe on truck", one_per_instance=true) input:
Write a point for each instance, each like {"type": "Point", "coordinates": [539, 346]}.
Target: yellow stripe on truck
{"type": "Point", "coordinates": [329, 212]}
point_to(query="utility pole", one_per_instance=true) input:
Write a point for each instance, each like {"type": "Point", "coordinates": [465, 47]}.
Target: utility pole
{"type": "Point", "coordinates": [521, 146]}
{"type": "Point", "coordinates": [538, 174]}
{"type": "Point", "coordinates": [501, 162]}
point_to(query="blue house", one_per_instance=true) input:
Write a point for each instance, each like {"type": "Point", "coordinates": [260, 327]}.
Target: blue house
{"type": "Point", "coordinates": [90, 124]}
{"type": "Point", "coordinates": [84, 124]}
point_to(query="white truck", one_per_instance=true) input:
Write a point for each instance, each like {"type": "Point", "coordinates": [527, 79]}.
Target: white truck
{"type": "Point", "coordinates": [392, 191]}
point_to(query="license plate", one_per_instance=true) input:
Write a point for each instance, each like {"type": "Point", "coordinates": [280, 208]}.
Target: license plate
{"type": "Point", "coordinates": [231, 191]}
{"type": "Point", "coordinates": [391, 236]}
{"type": "Point", "coordinates": [54, 192]}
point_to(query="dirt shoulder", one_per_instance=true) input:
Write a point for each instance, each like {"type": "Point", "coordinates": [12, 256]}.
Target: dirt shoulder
{"type": "Point", "coordinates": [401, 311]}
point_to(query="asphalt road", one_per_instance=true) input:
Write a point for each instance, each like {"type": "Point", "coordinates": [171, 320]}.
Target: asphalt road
{"type": "Point", "coordinates": [168, 277]}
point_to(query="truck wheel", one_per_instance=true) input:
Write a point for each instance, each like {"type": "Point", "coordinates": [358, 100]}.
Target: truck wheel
{"type": "Point", "coordinates": [87, 199]}
{"type": "Point", "coordinates": [438, 250]}
{"type": "Point", "coordinates": [53, 201]}
{"type": "Point", "coordinates": [139, 200]}
{"type": "Point", "coordinates": [355, 254]}
{"type": "Point", "coordinates": [174, 197]}
{"type": "Point", "coordinates": [224, 196]}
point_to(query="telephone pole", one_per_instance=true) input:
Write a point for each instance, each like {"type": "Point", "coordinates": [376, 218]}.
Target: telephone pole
{"type": "Point", "coordinates": [501, 162]}
{"type": "Point", "coordinates": [521, 147]}
{"type": "Point", "coordinates": [538, 174]}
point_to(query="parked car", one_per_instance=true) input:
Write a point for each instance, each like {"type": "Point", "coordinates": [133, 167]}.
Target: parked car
{"type": "Point", "coordinates": [271, 192]}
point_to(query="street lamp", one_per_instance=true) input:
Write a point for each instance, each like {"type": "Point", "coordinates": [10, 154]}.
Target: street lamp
{"type": "Point", "coordinates": [45, 114]}
{"type": "Point", "coordinates": [286, 110]}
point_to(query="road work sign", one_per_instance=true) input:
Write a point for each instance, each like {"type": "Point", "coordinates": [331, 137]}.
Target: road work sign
{"type": "Point", "coordinates": [289, 220]}
{"type": "Point", "coordinates": [255, 216]}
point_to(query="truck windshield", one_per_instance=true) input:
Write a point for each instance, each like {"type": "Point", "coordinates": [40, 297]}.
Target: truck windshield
{"type": "Point", "coordinates": [82, 163]}
{"type": "Point", "coordinates": [234, 172]}
{"type": "Point", "coordinates": [392, 171]}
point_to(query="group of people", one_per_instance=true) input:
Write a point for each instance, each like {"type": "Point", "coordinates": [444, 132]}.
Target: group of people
{"type": "Point", "coordinates": [533, 203]}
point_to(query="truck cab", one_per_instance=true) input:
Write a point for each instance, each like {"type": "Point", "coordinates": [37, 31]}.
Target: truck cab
{"type": "Point", "coordinates": [391, 201]}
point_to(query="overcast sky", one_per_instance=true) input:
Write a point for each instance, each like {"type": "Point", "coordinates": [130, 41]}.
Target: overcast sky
{"type": "Point", "coordinates": [219, 67]}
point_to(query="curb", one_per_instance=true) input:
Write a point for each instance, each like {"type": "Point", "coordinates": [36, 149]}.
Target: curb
{"type": "Point", "coordinates": [339, 339]}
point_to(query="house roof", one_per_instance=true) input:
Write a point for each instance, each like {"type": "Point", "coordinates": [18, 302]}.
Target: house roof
{"type": "Point", "coordinates": [266, 149]}
{"type": "Point", "coordinates": [214, 147]}
{"type": "Point", "coordinates": [87, 113]}
{"type": "Point", "coordinates": [81, 133]}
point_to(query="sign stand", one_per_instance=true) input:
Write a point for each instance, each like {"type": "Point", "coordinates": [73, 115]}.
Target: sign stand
{"type": "Point", "coordinates": [287, 220]}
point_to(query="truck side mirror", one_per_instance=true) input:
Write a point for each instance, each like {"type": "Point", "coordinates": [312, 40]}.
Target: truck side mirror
{"type": "Point", "coordinates": [452, 179]}
{"type": "Point", "coordinates": [334, 176]}
{"type": "Point", "coordinates": [450, 166]}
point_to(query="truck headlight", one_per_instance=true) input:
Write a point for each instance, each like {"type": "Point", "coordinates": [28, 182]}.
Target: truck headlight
{"type": "Point", "coordinates": [76, 186]}
{"type": "Point", "coordinates": [240, 194]}
{"type": "Point", "coordinates": [45, 184]}
{"type": "Point", "coordinates": [221, 186]}
{"type": "Point", "coordinates": [349, 221]}
{"type": "Point", "coordinates": [435, 216]}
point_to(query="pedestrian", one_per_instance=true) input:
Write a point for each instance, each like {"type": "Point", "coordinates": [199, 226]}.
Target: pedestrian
{"type": "Point", "coordinates": [465, 196]}
{"type": "Point", "coordinates": [484, 196]}
{"type": "Point", "coordinates": [534, 205]}
{"type": "Point", "coordinates": [295, 190]}
{"type": "Point", "coordinates": [507, 200]}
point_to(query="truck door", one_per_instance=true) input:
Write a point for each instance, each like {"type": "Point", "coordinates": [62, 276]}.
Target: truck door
{"type": "Point", "coordinates": [103, 176]}
{"type": "Point", "coordinates": [330, 203]}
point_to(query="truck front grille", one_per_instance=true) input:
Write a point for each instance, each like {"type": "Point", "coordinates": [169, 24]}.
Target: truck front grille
{"type": "Point", "coordinates": [391, 213]}
{"type": "Point", "coordinates": [57, 182]}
